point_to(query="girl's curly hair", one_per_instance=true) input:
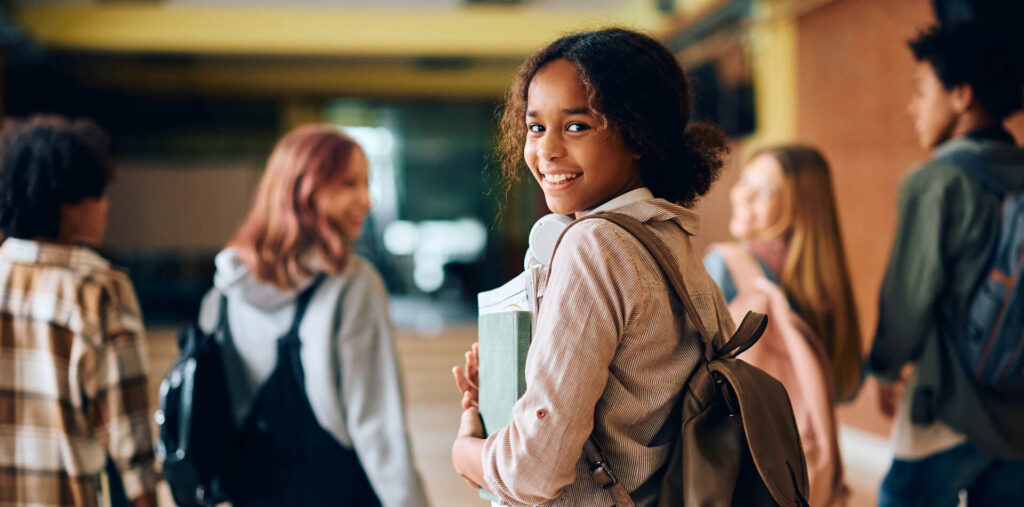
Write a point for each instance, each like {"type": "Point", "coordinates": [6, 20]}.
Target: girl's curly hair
{"type": "Point", "coordinates": [635, 86]}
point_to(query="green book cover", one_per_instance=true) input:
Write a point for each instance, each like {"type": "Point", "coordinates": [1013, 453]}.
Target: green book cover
{"type": "Point", "coordinates": [504, 338]}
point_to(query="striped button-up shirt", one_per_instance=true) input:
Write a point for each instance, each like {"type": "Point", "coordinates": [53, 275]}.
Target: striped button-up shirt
{"type": "Point", "coordinates": [610, 354]}
{"type": "Point", "coordinates": [72, 377]}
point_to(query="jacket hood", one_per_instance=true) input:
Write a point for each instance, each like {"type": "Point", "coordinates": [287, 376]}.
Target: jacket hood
{"type": "Point", "coordinates": [234, 279]}
{"type": "Point", "coordinates": [1004, 159]}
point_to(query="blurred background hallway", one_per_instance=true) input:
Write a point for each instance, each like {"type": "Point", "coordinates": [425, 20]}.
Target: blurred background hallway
{"type": "Point", "coordinates": [195, 92]}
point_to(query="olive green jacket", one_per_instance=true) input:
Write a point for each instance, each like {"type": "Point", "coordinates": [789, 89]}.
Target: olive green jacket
{"type": "Point", "coordinates": [946, 232]}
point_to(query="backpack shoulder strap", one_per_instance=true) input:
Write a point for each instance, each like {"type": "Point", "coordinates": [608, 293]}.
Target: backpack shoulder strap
{"type": "Point", "coordinates": [659, 252]}
{"type": "Point", "coordinates": [602, 474]}
{"type": "Point", "coordinates": [741, 264]}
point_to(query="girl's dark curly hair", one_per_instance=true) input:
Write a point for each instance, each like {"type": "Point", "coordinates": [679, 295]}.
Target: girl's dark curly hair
{"type": "Point", "coordinates": [635, 86]}
{"type": "Point", "coordinates": [47, 161]}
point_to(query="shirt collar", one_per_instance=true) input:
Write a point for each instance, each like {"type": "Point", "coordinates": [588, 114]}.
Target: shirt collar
{"type": "Point", "coordinates": [641, 205]}
{"type": "Point", "coordinates": [652, 210]}
{"type": "Point", "coordinates": [637, 194]}
{"type": "Point", "coordinates": [38, 252]}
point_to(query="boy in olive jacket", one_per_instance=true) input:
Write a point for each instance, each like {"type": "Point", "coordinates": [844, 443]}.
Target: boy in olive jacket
{"type": "Point", "coordinates": [950, 434]}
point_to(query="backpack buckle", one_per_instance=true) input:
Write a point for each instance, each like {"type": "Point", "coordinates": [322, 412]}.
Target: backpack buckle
{"type": "Point", "coordinates": [726, 392]}
{"type": "Point", "coordinates": [603, 475]}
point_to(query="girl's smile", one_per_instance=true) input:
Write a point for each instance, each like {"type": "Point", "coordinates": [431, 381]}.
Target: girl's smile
{"type": "Point", "coordinates": [576, 158]}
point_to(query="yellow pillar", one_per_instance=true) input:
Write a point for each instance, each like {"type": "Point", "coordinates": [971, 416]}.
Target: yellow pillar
{"type": "Point", "coordinates": [773, 47]}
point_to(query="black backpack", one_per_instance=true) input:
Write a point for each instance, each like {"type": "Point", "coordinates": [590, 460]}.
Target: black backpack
{"type": "Point", "coordinates": [196, 432]}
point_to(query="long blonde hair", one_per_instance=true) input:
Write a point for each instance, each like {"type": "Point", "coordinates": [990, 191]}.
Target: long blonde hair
{"type": "Point", "coordinates": [815, 274]}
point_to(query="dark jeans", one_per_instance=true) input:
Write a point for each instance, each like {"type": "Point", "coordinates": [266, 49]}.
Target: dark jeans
{"type": "Point", "coordinates": [938, 479]}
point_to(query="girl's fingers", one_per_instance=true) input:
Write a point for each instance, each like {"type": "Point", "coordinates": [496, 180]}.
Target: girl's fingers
{"type": "Point", "coordinates": [469, 401]}
{"type": "Point", "coordinates": [460, 379]}
{"type": "Point", "coordinates": [464, 383]}
{"type": "Point", "coordinates": [473, 364]}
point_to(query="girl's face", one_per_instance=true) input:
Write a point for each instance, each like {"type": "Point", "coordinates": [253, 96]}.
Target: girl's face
{"type": "Point", "coordinates": [757, 199]}
{"type": "Point", "coordinates": [578, 165]}
{"type": "Point", "coordinates": [346, 200]}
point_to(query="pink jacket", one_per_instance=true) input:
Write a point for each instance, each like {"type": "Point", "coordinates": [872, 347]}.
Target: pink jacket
{"type": "Point", "coordinates": [790, 352]}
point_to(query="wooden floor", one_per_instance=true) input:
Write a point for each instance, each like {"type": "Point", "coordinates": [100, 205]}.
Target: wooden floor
{"type": "Point", "coordinates": [434, 413]}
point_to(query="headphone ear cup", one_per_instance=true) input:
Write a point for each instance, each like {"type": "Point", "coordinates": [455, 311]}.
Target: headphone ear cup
{"type": "Point", "coordinates": [544, 236]}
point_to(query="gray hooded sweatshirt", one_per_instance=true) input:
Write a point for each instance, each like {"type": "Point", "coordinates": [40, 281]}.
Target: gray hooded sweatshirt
{"type": "Point", "coordinates": [348, 353]}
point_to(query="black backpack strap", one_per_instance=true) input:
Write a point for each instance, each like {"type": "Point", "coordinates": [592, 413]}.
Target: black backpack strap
{"type": "Point", "coordinates": [302, 303]}
{"type": "Point", "coordinates": [978, 169]}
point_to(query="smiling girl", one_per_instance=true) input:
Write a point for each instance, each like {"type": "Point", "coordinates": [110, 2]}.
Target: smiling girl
{"type": "Point", "coordinates": [788, 263]}
{"type": "Point", "coordinates": [601, 120]}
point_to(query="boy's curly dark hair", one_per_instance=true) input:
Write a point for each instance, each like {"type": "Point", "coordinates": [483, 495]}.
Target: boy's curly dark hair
{"type": "Point", "coordinates": [635, 86]}
{"type": "Point", "coordinates": [47, 161]}
{"type": "Point", "coordinates": [977, 54]}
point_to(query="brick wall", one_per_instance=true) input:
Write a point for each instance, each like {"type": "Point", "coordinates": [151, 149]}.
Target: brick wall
{"type": "Point", "coordinates": [854, 81]}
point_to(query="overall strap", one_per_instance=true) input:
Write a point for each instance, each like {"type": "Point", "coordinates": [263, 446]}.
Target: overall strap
{"type": "Point", "coordinates": [302, 303]}
{"type": "Point", "coordinates": [222, 318]}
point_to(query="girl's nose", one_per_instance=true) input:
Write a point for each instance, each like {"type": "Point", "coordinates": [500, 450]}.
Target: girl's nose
{"type": "Point", "coordinates": [365, 200]}
{"type": "Point", "coordinates": [551, 147]}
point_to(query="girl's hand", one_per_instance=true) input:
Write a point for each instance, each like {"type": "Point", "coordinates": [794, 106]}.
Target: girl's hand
{"type": "Point", "coordinates": [467, 448]}
{"type": "Point", "coordinates": [468, 379]}
{"type": "Point", "coordinates": [470, 425]}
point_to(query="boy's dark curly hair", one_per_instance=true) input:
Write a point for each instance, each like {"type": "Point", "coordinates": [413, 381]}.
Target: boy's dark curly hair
{"type": "Point", "coordinates": [47, 161]}
{"type": "Point", "coordinates": [635, 86]}
{"type": "Point", "coordinates": [977, 54]}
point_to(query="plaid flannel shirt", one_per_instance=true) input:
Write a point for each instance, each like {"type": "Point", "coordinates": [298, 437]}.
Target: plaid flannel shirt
{"type": "Point", "coordinates": [72, 377]}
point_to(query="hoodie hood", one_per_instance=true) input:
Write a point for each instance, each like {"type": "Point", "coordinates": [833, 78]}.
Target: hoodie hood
{"type": "Point", "coordinates": [1005, 160]}
{"type": "Point", "coordinates": [233, 279]}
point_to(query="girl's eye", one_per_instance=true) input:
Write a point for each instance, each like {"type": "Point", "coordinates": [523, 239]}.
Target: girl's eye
{"type": "Point", "coordinates": [577, 127]}
{"type": "Point", "coordinates": [534, 127]}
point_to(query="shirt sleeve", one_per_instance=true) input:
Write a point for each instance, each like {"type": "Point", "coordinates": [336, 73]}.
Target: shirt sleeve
{"type": "Point", "coordinates": [118, 406]}
{"type": "Point", "coordinates": [371, 387]}
{"type": "Point", "coordinates": [714, 263]}
{"type": "Point", "coordinates": [593, 293]}
{"type": "Point", "coordinates": [915, 276]}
